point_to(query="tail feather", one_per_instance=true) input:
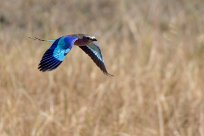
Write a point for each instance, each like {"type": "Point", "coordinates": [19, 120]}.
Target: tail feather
{"type": "Point", "coordinates": [39, 39]}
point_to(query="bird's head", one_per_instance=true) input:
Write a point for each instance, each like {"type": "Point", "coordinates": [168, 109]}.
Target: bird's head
{"type": "Point", "coordinates": [90, 38]}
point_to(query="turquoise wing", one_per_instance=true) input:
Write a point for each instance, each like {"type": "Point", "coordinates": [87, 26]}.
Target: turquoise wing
{"type": "Point", "coordinates": [56, 54]}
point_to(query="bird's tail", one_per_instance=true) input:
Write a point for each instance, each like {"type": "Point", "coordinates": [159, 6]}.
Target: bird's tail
{"type": "Point", "coordinates": [39, 39]}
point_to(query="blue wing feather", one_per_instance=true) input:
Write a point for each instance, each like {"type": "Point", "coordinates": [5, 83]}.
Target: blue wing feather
{"type": "Point", "coordinates": [48, 60]}
{"type": "Point", "coordinates": [96, 50]}
{"type": "Point", "coordinates": [55, 55]}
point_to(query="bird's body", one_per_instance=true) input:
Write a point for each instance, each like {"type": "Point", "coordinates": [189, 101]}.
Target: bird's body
{"type": "Point", "coordinates": [60, 47]}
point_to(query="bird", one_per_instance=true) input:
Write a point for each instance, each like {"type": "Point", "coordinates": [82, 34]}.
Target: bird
{"type": "Point", "coordinates": [61, 46]}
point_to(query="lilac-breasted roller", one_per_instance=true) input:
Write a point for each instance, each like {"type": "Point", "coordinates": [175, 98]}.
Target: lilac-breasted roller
{"type": "Point", "coordinates": [60, 47]}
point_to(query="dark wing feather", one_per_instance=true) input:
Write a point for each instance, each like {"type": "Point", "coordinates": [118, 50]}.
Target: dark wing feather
{"type": "Point", "coordinates": [48, 62]}
{"type": "Point", "coordinates": [96, 56]}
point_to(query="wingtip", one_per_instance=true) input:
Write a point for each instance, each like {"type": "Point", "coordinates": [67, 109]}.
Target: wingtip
{"type": "Point", "coordinates": [108, 74]}
{"type": "Point", "coordinates": [43, 70]}
{"type": "Point", "coordinates": [40, 68]}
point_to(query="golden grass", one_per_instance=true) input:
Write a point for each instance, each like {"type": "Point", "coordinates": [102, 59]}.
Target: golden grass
{"type": "Point", "coordinates": [154, 49]}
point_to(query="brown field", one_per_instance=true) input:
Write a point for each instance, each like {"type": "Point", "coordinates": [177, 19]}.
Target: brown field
{"type": "Point", "coordinates": [155, 49]}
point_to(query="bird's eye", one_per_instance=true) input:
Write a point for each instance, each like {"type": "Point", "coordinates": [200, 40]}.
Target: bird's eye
{"type": "Point", "coordinates": [88, 38]}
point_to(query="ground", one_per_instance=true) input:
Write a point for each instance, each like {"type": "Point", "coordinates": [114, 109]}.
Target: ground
{"type": "Point", "coordinates": [155, 49]}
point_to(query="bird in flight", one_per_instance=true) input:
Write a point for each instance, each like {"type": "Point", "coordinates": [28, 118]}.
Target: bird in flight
{"type": "Point", "coordinates": [60, 47]}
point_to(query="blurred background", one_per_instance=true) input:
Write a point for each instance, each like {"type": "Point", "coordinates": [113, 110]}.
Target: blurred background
{"type": "Point", "coordinates": [155, 49]}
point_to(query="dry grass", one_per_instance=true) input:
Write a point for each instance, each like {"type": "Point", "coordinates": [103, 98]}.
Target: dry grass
{"type": "Point", "coordinates": [155, 49]}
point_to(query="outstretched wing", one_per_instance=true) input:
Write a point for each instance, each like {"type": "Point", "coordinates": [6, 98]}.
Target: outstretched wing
{"type": "Point", "coordinates": [54, 56]}
{"type": "Point", "coordinates": [94, 52]}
